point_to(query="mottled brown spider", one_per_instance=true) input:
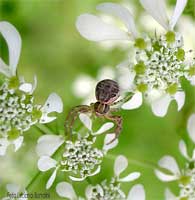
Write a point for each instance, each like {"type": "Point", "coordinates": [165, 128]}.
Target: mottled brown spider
{"type": "Point", "coordinates": [107, 92]}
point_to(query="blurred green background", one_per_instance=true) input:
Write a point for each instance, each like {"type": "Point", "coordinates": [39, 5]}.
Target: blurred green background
{"type": "Point", "coordinates": [54, 51]}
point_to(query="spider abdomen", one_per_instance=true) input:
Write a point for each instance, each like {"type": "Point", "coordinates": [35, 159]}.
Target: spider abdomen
{"type": "Point", "coordinates": [107, 91]}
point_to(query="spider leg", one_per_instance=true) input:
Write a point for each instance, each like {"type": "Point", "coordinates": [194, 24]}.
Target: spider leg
{"type": "Point", "coordinates": [124, 100]}
{"type": "Point", "coordinates": [72, 116]}
{"type": "Point", "coordinates": [118, 121]}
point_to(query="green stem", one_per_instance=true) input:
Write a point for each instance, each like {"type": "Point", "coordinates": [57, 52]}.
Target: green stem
{"type": "Point", "coordinates": [89, 180]}
{"type": "Point", "coordinates": [33, 180]}
{"type": "Point", "coordinates": [44, 129]}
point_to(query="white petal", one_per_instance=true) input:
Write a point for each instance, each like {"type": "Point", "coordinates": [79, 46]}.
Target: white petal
{"type": "Point", "coordinates": [121, 12]}
{"type": "Point", "coordinates": [180, 5]}
{"type": "Point", "coordinates": [107, 145]}
{"type": "Point", "coordinates": [137, 193]}
{"type": "Point", "coordinates": [76, 178]}
{"type": "Point", "coordinates": [34, 84]}
{"type": "Point", "coordinates": [165, 177]}
{"type": "Point", "coordinates": [191, 127]}
{"type": "Point", "coordinates": [157, 9]}
{"type": "Point", "coordinates": [96, 171]}
{"type": "Point", "coordinates": [18, 143]}
{"type": "Point", "coordinates": [53, 104]}
{"type": "Point", "coordinates": [183, 149]}
{"type": "Point", "coordinates": [125, 76]}
{"type": "Point", "coordinates": [51, 179]}
{"type": "Point", "coordinates": [161, 105]}
{"type": "Point", "coordinates": [45, 163]}
{"type": "Point", "coordinates": [65, 189]}
{"type": "Point", "coordinates": [85, 119]}
{"type": "Point", "coordinates": [192, 80]}
{"type": "Point", "coordinates": [169, 163]}
{"type": "Point", "coordinates": [93, 28]}
{"type": "Point", "coordinates": [48, 144]}
{"type": "Point", "coordinates": [131, 177]}
{"type": "Point", "coordinates": [120, 165]}
{"type": "Point", "coordinates": [180, 99]}
{"type": "Point", "coordinates": [83, 178]}
{"type": "Point", "coordinates": [26, 87]}
{"type": "Point", "coordinates": [13, 40]}
{"type": "Point", "coordinates": [169, 195]}
{"type": "Point", "coordinates": [134, 102]}
{"type": "Point", "coordinates": [13, 188]}
{"type": "Point", "coordinates": [5, 69]}
{"type": "Point", "coordinates": [4, 143]}
{"type": "Point", "coordinates": [105, 127]}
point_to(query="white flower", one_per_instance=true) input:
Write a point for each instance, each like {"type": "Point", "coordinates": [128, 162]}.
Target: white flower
{"type": "Point", "coordinates": [80, 158]}
{"type": "Point", "coordinates": [14, 192]}
{"type": "Point", "coordinates": [93, 28]}
{"type": "Point", "coordinates": [157, 9]}
{"type": "Point", "coordinates": [107, 190]}
{"type": "Point", "coordinates": [65, 189]}
{"type": "Point", "coordinates": [186, 176]}
{"type": "Point", "coordinates": [112, 190]}
{"type": "Point", "coordinates": [18, 112]}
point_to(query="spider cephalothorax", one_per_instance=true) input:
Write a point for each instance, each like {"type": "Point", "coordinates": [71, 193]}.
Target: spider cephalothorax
{"type": "Point", "coordinates": [107, 92]}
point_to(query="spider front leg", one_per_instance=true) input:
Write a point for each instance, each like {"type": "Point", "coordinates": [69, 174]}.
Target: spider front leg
{"type": "Point", "coordinates": [118, 120]}
{"type": "Point", "coordinates": [73, 115]}
{"type": "Point", "coordinates": [124, 100]}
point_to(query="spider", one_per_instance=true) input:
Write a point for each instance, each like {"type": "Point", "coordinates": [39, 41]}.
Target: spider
{"type": "Point", "coordinates": [107, 92]}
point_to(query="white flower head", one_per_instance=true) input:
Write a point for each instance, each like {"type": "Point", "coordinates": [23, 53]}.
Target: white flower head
{"type": "Point", "coordinates": [157, 9]}
{"type": "Point", "coordinates": [18, 112]}
{"type": "Point", "coordinates": [156, 74]}
{"type": "Point", "coordinates": [94, 28]}
{"type": "Point", "coordinates": [112, 190]}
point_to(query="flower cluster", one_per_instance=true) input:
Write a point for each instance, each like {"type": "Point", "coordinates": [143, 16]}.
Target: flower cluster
{"type": "Point", "coordinates": [185, 176]}
{"type": "Point", "coordinates": [18, 112]}
{"type": "Point", "coordinates": [80, 158]}
{"type": "Point", "coordinates": [159, 63]}
{"type": "Point", "coordinates": [107, 190]}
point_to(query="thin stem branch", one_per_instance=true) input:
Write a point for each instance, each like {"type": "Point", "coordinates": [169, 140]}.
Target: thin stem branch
{"type": "Point", "coordinates": [146, 164]}
{"type": "Point", "coordinates": [33, 180]}
{"type": "Point", "coordinates": [43, 129]}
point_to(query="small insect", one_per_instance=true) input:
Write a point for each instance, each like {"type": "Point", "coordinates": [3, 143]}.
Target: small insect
{"type": "Point", "coordinates": [107, 92]}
